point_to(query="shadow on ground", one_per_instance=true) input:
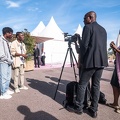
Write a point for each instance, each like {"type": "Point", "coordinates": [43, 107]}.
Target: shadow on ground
{"type": "Point", "coordinates": [39, 115]}
{"type": "Point", "coordinates": [106, 80]}
{"type": "Point", "coordinates": [49, 88]}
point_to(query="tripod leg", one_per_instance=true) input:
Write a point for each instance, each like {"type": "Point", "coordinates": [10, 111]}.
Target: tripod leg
{"type": "Point", "coordinates": [61, 74]}
{"type": "Point", "coordinates": [72, 62]}
{"type": "Point", "coordinates": [74, 56]}
{"type": "Point", "coordinates": [71, 59]}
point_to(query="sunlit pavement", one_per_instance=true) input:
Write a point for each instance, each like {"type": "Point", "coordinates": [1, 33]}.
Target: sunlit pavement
{"type": "Point", "coordinates": [37, 102]}
{"type": "Point", "coordinates": [51, 66]}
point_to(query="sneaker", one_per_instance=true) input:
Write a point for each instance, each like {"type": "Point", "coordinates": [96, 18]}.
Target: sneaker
{"type": "Point", "coordinates": [117, 110]}
{"type": "Point", "coordinates": [10, 92]}
{"type": "Point", "coordinates": [1, 97]}
{"type": "Point", "coordinates": [23, 88]}
{"type": "Point", "coordinates": [5, 96]}
{"type": "Point", "coordinates": [17, 90]}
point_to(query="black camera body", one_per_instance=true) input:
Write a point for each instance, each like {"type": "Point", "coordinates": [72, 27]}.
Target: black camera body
{"type": "Point", "coordinates": [71, 38]}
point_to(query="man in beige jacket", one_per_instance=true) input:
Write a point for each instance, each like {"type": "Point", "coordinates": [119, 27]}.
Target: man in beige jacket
{"type": "Point", "coordinates": [18, 51]}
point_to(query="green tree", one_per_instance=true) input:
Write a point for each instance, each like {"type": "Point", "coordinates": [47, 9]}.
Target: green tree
{"type": "Point", "coordinates": [29, 42]}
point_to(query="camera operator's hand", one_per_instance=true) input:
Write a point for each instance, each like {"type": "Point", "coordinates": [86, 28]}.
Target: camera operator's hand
{"type": "Point", "coordinates": [76, 34]}
{"type": "Point", "coordinates": [79, 65]}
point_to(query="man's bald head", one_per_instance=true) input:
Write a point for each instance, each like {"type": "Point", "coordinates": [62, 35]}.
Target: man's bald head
{"type": "Point", "coordinates": [90, 17]}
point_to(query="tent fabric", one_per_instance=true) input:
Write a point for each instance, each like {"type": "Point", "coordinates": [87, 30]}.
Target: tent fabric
{"type": "Point", "coordinates": [41, 39]}
{"type": "Point", "coordinates": [79, 30]}
{"type": "Point", "coordinates": [52, 31]}
{"type": "Point", "coordinates": [56, 51]}
{"type": "Point", "coordinates": [38, 29]}
{"type": "Point", "coordinates": [36, 33]}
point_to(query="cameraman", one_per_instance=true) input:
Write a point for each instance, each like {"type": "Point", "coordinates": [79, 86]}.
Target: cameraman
{"type": "Point", "coordinates": [77, 42]}
{"type": "Point", "coordinates": [93, 59]}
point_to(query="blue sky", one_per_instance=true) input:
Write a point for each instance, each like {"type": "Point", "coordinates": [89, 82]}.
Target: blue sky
{"type": "Point", "coordinates": [68, 14]}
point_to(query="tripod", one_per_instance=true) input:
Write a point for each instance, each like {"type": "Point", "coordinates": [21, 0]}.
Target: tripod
{"type": "Point", "coordinates": [72, 65]}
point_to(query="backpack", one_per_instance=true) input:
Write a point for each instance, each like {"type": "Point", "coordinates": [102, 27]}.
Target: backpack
{"type": "Point", "coordinates": [102, 99]}
{"type": "Point", "coordinates": [71, 93]}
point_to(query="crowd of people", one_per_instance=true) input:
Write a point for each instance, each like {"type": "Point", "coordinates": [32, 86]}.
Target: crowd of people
{"type": "Point", "coordinates": [92, 60]}
{"type": "Point", "coordinates": [12, 61]}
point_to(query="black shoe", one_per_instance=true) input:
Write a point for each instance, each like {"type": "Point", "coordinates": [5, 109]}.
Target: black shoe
{"type": "Point", "coordinates": [77, 111]}
{"type": "Point", "coordinates": [74, 109]}
{"type": "Point", "coordinates": [92, 113]}
{"type": "Point", "coordinates": [86, 107]}
{"type": "Point", "coordinates": [70, 108]}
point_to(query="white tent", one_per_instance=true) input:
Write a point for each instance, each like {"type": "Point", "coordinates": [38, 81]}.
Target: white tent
{"type": "Point", "coordinates": [36, 33]}
{"type": "Point", "coordinates": [79, 30]}
{"type": "Point", "coordinates": [55, 49]}
{"type": "Point", "coordinates": [38, 29]}
{"type": "Point", "coordinates": [52, 31]}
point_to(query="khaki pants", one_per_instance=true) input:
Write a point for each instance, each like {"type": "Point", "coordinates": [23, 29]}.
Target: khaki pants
{"type": "Point", "coordinates": [18, 73]}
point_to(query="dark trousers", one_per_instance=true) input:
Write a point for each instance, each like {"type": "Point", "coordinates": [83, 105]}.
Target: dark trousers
{"type": "Point", "coordinates": [95, 75]}
{"type": "Point", "coordinates": [36, 61]}
{"type": "Point", "coordinates": [43, 60]}
{"type": "Point", "coordinates": [87, 96]}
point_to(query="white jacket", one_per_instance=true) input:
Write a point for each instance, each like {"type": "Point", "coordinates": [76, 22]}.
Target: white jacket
{"type": "Point", "coordinates": [15, 48]}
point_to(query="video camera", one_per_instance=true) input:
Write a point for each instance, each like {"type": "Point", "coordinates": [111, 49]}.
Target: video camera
{"type": "Point", "coordinates": [71, 38]}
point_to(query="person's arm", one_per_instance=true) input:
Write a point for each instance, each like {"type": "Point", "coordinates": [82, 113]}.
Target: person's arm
{"type": "Point", "coordinates": [114, 47]}
{"type": "Point", "coordinates": [3, 56]}
{"type": "Point", "coordinates": [84, 42]}
{"type": "Point", "coordinates": [14, 51]}
{"type": "Point", "coordinates": [85, 38]}
{"type": "Point", "coordinates": [2, 49]}
{"type": "Point", "coordinates": [23, 55]}
{"type": "Point", "coordinates": [38, 52]}
{"type": "Point", "coordinates": [77, 47]}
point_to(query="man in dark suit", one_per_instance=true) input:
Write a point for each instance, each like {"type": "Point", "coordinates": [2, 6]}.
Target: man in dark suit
{"type": "Point", "coordinates": [36, 56]}
{"type": "Point", "coordinates": [93, 59]}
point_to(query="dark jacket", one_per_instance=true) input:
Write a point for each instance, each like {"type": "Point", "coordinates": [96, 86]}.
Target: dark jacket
{"type": "Point", "coordinates": [94, 46]}
{"type": "Point", "coordinates": [36, 52]}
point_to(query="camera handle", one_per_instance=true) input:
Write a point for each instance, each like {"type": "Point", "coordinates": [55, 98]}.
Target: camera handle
{"type": "Point", "coordinates": [72, 65]}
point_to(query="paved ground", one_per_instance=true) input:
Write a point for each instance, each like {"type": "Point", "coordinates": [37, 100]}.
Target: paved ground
{"type": "Point", "coordinates": [37, 103]}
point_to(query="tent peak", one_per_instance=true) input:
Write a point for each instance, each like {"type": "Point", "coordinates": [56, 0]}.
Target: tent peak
{"type": "Point", "coordinates": [52, 31]}
{"type": "Point", "coordinates": [79, 30]}
{"type": "Point", "coordinates": [52, 17]}
{"type": "Point", "coordinates": [38, 29]}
